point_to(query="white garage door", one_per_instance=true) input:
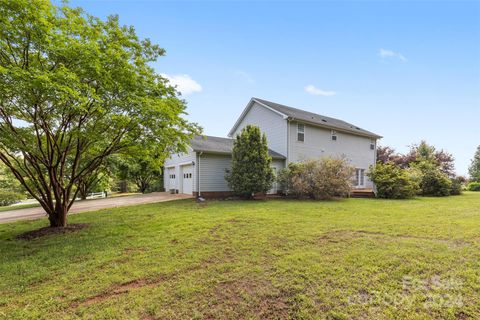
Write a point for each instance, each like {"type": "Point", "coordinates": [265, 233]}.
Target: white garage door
{"type": "Point", "coordinates": [171, 178]}
{"type": "Point", "coordinates": [187, 179]}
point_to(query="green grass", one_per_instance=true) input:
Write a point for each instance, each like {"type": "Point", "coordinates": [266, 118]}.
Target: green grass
{"type": "Point", "coordinates": [274, 259]}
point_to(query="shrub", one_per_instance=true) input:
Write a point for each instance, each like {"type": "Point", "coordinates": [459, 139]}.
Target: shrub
{"type": "Point", "coordinates": [473, 186]}
{"type": "Point", "coordinates": [393, 182]}
{"type": "Point", "coordinates": [435, 183]}
{"type": "Point", "coordinates": [457, 186]}
{"type": "Point", "coordinates": [8, 198]}
{"type": "Point", "coordinates": [251, 164]}
{"type": "Point", "coordinates": [323, 178]}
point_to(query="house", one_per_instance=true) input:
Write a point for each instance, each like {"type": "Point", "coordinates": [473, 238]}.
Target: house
{"type": "Point", "coordinates": [293, 135]}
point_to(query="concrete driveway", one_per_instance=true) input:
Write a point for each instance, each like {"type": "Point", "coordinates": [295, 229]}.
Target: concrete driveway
{"type": "Point", "coordinates": [92, 205]}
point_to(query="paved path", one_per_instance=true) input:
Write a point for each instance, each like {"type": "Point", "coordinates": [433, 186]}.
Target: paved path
{"type": "Point", "coordinates": [92, 205]}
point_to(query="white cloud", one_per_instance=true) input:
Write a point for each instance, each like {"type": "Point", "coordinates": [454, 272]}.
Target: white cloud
{"type": "Point", "coordinates": [184, 83]}
{"type": "Point", "coordinates": [385, 53]}
{"type": "Point", "coordinates": [244, 75]}
{"type": "Point", "coordinates": [311, 89]}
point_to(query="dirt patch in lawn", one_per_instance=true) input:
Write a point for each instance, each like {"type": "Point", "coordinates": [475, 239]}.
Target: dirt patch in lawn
{"type": "Point", "coordinates": [121, 289]}
{"type": "Point", "coordinates": [46, 231]}
{"type": "Point", "coordinates": [245, 298]}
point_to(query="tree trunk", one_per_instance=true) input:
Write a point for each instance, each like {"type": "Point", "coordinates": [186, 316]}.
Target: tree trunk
{"type": "Point", "coordinates": [123, 186]}
{"type": "Point", "coordinates": [58, 218]}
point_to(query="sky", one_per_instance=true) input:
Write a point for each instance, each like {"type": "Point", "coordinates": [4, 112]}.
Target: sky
{"type": "Point", "coordinates": [405, 70]}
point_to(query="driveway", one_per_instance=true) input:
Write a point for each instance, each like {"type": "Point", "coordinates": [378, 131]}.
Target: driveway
{"type": "Point", "coordinates": [92, 205]}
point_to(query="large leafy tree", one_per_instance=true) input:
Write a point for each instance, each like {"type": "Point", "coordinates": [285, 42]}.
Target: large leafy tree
{"type": "Point", "coordinates": [474, 169]}
{"type": "Point", "coordinates": [251, 163]}
{"type": "Point", "coordinates": [73, 91]}
{"type": "Point", "coordinates": [142, 166]}
{"type": "Point", "coordinates": [419, 153]}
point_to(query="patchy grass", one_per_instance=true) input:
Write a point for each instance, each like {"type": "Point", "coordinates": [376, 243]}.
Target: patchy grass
{"type": "Point", "coordinates": [350, 259]}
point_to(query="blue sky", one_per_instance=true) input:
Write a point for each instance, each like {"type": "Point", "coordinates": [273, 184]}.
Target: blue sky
{"type": "Point", "coordinates": [406, 70]}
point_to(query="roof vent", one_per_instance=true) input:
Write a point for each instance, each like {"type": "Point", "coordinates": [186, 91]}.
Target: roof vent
{"type": "Point", "coordinates": [358, 128]}
{"type": "Point", "coordinates": [324, 120]}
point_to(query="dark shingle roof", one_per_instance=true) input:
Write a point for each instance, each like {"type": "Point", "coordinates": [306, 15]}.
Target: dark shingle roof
{"type": "Point", "coordinates": [219, 145]}
{"type": "Point", "coordinates": [297, 114]}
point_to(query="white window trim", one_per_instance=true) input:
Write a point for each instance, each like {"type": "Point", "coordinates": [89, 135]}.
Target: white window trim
{"type": "Point", "coordinates": [298, 131]}
{"type": "Point", "coordinates": [358, 185]}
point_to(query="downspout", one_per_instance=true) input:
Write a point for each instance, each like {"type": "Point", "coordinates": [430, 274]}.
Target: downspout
{"type": "Point", "coordinates": [288, 143]}
{"type": "Point", "coordinates": [198, 174]}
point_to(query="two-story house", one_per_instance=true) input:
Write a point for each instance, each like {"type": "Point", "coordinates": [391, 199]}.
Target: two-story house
{"type": "Point", "coordinates": [293, 135]}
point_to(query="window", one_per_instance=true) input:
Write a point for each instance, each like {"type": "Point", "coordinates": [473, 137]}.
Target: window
{"type": "Point", "coordinates": [359, 178]}
{"type": "Point", "coordinates": [334, 135]}
{"type": "Point", "coordinates": [301, 132]}
{"type": "Point", "coordinates": [372, 144]}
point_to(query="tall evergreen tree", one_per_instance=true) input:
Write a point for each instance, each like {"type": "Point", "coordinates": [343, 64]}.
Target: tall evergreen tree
{"type": "Point", "coordinates": [474, 169]}
{"type": "Point", "coordinates": [251, 164]}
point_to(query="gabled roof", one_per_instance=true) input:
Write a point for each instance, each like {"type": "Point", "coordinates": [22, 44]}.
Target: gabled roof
{"type": "Point", "coordinates": [309, 117]}
{"type": "Point", "coordinates": [220, 145]}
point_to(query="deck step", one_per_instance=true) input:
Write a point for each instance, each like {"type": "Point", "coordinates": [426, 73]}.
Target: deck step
{"type": "Point", "coordinates": [362, 193]}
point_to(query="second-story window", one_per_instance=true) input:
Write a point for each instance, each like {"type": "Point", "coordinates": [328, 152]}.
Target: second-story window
{"type": "Point", "coordinates": [300, 132]}
{"type": "Point", "coordinates": [334, 135]}
{"type": "Point", "coordinates": [372, 144]}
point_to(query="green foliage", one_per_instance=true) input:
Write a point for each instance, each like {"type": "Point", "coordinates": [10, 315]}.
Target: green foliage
{"type": "Point", "coordinates": [457, 186]}
{"type": "Point", "coordinates": [474, 169]}
{"type": "Point", "coordinates": [8, 181]}
{"type": "Point", "coordinates": [473, 186]}
{"type": "Point", "coordinates": [251, 164]}
{"type": "Point", "coordinates": [433, 181]}
{"type": "Point", "coordinates": [74, 90]}
{"type": "Point", "coordinates": [393, 182]}
{"type": "Point", "coordinates": [323, 178]}
{"type": "Point", "coordinates": [8, 198]}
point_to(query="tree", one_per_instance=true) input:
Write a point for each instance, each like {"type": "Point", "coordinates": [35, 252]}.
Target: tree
{"type": "Point", "coordinates": [73, 91]}
{"type": "Point", "coordinates": [142, 167]}
{"type": "Point", "coordinates": [251, 164]}
{"type": "Point", "coordinates": [388, 154]}
{"type": "Point", "coordinates": [425, 152]}
{"type": "Point", "coordinates": [474, 169]}
{"type": "Point", "coordinates": [96, 181]}
{"type": "Point", "coordinates": [433, 181]}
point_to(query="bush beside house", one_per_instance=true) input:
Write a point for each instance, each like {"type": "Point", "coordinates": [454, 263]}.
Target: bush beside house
{"type": "Point", "coordinates": [323, 178]}
{"type": "Point", "coordinates": [393, 182]}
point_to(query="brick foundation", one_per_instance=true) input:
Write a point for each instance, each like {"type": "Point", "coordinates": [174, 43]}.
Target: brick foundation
{"type": "Point", "coordinates": [214, 194]}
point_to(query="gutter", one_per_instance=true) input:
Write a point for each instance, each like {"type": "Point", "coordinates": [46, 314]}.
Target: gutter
{"type": "Point", "coordinates": [373, 135]}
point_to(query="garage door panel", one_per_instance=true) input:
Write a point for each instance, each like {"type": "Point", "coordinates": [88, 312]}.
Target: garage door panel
{"type": "Point", "coordinates": [187, 179]}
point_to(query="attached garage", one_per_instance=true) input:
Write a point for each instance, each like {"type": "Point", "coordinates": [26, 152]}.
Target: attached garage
{"type": "Point", "coordinates": [187, 179]}
{"type": "Point", "coordinates": [201, 170]}
{"type": "Point", "coordinates": [172, 183]}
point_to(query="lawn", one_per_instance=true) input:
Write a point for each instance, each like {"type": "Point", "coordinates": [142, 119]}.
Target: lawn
{"type": "Point", "coordinates": [349, 259]}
